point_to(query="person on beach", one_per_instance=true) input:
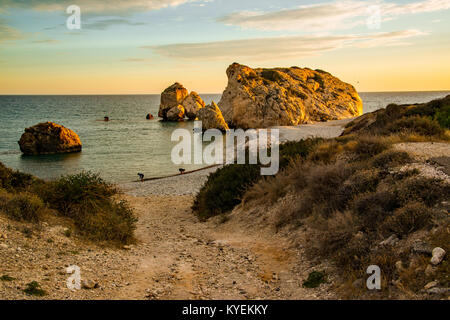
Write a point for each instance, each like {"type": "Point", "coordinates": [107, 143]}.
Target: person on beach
{"type": "Point", "coordinates": [182, 171]}
{"type": "Point", "coordinates": [141, 176]}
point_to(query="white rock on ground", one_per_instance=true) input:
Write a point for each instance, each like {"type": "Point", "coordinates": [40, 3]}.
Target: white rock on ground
{"type": "Point", "coordinates": [438, 256]}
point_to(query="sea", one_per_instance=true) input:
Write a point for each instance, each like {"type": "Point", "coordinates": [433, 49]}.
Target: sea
{"type": "Point", "coordinates": [127, 144]}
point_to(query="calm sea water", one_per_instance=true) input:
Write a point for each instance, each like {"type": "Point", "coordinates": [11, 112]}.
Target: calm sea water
{"type": "Point", "coordinates": [125, 145]}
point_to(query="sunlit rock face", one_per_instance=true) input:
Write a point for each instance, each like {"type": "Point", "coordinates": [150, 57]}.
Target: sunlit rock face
{"type": "Point", "coordinates": [175, 113]}
{"type": "Point", "coordinates": [192, 105]}
{"type": "Point", "coordinates": [177, 102]}
{"type": "Point", "coordinates": [172, 97]}
{"type": "Point", "coordinates": [260, 98]}
{"type": "Point", "coordinates": [212, 118]}
{"type": "Point", "coordinates": [49, 138]}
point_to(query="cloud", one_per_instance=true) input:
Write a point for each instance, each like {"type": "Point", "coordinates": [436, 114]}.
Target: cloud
{"type": "Point", "coordinates": [49, 41]}
{"type": "Point", "coordinates": [8, 33]}
{"type": "Point", "coordinates": [264, 49]}
{"type": "Point", "coordinates": [134, 60]}
{"type": "Point", "coordinates": [328, 16]}
{"type": "Point", "coordinates": [105, 23]}
{"type": "Point", "coordinates": [95, 5]}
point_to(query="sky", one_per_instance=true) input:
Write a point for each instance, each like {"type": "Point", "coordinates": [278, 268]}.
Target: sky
{"type": "Point", "coordinates": [143, 46]}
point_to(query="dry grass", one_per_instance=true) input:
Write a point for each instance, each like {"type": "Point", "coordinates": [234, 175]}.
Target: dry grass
{"type": "Point", "coordinates": [85, 199]}
{"type": "Point", "coordinates": [22, 206]}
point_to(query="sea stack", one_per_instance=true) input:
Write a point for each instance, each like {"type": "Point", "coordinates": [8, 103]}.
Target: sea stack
{"type": "Point", "coordinates": [260, 98]}
{"type": "Point", "coordinates": [49, 138]}
{"type": "Point", "coordinates": [212, 118]}
{"type": "Point", "coordinates": [177, 102]}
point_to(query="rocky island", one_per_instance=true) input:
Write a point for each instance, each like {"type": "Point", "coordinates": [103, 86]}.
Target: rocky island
{"type": "Point", "coordinates": [176, 103]}
{"type": "Point", "coordinates": [49, 138]}
{"type": "Point", "coordinates": [260, 98]}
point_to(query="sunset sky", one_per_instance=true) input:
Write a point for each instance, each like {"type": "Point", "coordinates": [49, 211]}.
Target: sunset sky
{"type": "Point", "coordinates": [142, 46]}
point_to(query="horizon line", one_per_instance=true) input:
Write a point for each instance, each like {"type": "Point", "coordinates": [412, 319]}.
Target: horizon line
{"type": "Point", "coordinates": [155, 94]}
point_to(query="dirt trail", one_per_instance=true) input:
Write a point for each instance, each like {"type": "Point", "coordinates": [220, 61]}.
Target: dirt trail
{"type": "Point", "coordinates": [182, 258]}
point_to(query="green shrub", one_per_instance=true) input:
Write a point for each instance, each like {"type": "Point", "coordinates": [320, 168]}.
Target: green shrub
{"type": "Point", "coordinates": [22, 206]}
{"type": "Point", "coordinates": [319, 79]}
{"type": "Point", "coordinates": [430, 191]}
{"type": "Point", "coordinates": [293, 149]}
{"type": "Point", "coordinates": [416, 125]}
{"type": "Point", "coordinates": [443, 117]}
{"type": "Point", "coordinates": [224, 188]}
{"type": "Point", "coordinates": [391, 158]}
{"type": "Point", "coordinates": [410, 218]}
{"type": "Point", "coordinates": [5, 277]}
{"type": "Point", "coordinates": [368, 146]}
{"type": "Point", "coordinates": [326, 152]}
{"type": "Point", "coordinates": [430, 109]}
{"type": "Point", "coordinates": [360, 182]}
{"type": "Point", "coordinates": [373, 207]}
{"type": "Point", "coordinates": [84, 188]}
{"type": "Point", "coordinates": [324, 194]}
{"type": "Point", "coordinates": [89, 201]}
{"type": "Point", "coordinates": [34, 289]}
{"type": "Point", "coordinates": [14, 180]}
{"type": "Point", "coordinates": [315, 279]}
{"type": "Point", "coordinates": [112, 221]}
{"type": "Point", "coordinates": [271, 75]}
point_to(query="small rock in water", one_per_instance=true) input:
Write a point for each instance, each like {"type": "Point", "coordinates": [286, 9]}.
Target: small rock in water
{"type": "Point", "coordinates": [438, 256]}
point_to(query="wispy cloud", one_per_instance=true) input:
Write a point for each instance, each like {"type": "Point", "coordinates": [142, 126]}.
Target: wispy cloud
{"type": "Point", "coordinates": [134, 60]}
{"type": "Point", "coordinates": [49, 41]}
{"type": "Point", "coordinates": [281, 47]}
{"type": "Point", "coordinates": [95, 5]}
{"type": "Point", "coordinates": [327, 16]}
{"type": "Point", "coordinates": [9, 33]}
{"type": "Point", "coordinates": [106, 23]}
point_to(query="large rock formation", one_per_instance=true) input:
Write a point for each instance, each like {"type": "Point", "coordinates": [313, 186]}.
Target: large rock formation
{"type": "Point", "coordinates": [49, 138]}
{"type": "Point", "coordinates": [259, 98]}
{"type": "Point", "coordinates": [176, 102]}
{"type": "Point", "coordinates": [212, 118]}
{"type": "Point", "coordinates": [192, 105]}
{"type": "Point", "coordinates": [172, 97]}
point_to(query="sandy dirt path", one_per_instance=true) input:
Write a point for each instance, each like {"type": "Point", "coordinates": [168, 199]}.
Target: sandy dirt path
{"type": "Point", "coordinates": [182, 258]}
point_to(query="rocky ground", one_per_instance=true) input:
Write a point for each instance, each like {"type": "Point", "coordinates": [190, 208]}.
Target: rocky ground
{"type": "Point", "coordinates": [176, 257]}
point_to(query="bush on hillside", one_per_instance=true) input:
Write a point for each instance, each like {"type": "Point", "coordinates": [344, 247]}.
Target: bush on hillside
{"type": "Point", "coordinates": [89, 201]}
{"type": "Point", "coordinates": [225, 188]}
{"type": "Point", "coordinates": [22, 206]}
{"type": "Point", "coordinates": [12, 180]}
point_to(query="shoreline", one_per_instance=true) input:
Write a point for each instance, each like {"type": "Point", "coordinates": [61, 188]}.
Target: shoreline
{"type": "Point", "coordinates": [190, 182]}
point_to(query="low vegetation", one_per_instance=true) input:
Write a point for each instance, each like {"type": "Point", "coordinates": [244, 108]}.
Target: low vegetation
{"type": "Point", "coordinates": [87, 200]}
{"type": "Point", "coordinates": [34, 289]}
{"type": "Point", "coordinates": [225, 187]}
{"type": "Point", "coordinates": [350, 195]}
{"type": "Point", "coordinates": [315, 279]}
